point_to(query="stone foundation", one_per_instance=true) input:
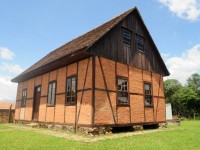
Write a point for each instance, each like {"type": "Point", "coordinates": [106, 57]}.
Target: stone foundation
{"type": "Point", "coordinates": [162, 125]}
{"type": "Point", "coordinates": [138, 127]}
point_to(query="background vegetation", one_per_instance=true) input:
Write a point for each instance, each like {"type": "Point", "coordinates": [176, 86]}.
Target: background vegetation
{"type": "Point", "coordinates": [185, 99]}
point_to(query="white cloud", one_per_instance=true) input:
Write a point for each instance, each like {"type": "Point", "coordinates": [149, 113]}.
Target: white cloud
{"type": "Point", "coordinates": [5, 53]}
{"type": "Point", "coordinates": [8, 89]}
{"type": "Point", "coordinates": [183, 66]}
{"type": "Point", "coordinates": [11, 68]}
{"type": "Point", "coordinates": [186, 9]}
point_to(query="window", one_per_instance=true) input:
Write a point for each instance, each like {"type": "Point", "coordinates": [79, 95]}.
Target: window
{"type": "Point", "coordinates": [126, 37]}
{"type": "Point", "coordinates": [122, 91]}
{"type": "Point", "coordinates": [71, 91]}
{"type": "Point", "coordinates": [148, 94]}
{"type": "Point", "coordinates": [24, 95]}
{"type": "Point", "coordinates": [140, 43]}
{"type": "Point", "coordinates": [52, 93]}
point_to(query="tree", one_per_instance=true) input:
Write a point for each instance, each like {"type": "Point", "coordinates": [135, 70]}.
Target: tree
{"type": "Point", "coordinates": [188, 101]}
{"type": "Point", "coordinates": [194, 82]}
{"type": "Point", "coordinates": [172, 86]}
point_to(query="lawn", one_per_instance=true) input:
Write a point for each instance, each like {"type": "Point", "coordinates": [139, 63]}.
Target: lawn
{"type": "Point", "coordinates": [185, 137]}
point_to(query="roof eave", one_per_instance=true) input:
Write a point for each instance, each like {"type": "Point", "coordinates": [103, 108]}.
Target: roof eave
{"type": "Point", "coordinates": [59, 63]}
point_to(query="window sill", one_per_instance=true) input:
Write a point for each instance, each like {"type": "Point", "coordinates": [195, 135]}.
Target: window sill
{"type": "Point", "coordinates": [140, 51]}
{"type": "Point", "coordinates": [149, 106]}
{"type": "Point", "coordinates": [127, 45]}
{"type": "Point", "coordinates": [123, 105]}
{"type": "Point", "coordinates": [51, 105]}
{"type": "Point", "coordinates": [74, 104]}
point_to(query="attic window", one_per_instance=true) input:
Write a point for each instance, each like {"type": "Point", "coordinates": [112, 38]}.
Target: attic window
{"type": "Point", "coordinates": [140, 43]}
{"type": "Point", "coordinates": [126, 37]}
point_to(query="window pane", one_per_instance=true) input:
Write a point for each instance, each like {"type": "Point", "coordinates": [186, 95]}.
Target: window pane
{"type": "Point", "coordinates": [50, 93]}
{"type": "Point", "coordinates": [148, 94]}
{"type": "Point", "coordinates": [147, 87]}
{"type": "Point", "coordinates": [53, 94]}
{"type": "Point", "coordinates": [68, 99]}
{"type": "Point", "coordinates": [71, 90]}
{"type": "Point", "coordinates": [140, 47]}
{"type": "Point", "coordinates": [126, 37]}
{"type": "Point", "coordinates": [73, 100]}
{"type": "Point", "coordinates": [127, 34]}
{"type": "Point", "coordinates": [73, 84]}
{"type": "Point", "coordinates": [122, 97]}
{"type": "Point", "coordinates": [68, 93]}
{"type": "Point", "coordinates": [140, 40]}
{"type": "Point", "coordinates": [38, 89]}
{"type": "Point", "coordinates": [140, 43]}
{"type": "Point", "coordinates": [122, 84]}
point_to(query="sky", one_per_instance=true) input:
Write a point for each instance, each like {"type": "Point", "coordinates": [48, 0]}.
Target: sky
{"type": "Point", "coordinates": [29, 30]}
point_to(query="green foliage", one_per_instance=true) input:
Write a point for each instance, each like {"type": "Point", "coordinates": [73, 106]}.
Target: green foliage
{"type": "Point", "coordinates": [185, 100]}
{"type": "Point", "coordinates": [188, 100]}
{"type": "Point", "coordinates": [194, 82]}
{"type": "Point", "coordinates": [171, 87]}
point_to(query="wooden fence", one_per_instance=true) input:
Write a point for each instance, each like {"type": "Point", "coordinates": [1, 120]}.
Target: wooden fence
{"type": "Point", "coordinates": [7, 115]}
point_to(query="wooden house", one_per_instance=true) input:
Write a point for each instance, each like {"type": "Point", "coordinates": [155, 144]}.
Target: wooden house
{"type": "Point", "coordinates": [110, 76]}
{"type": "Point", "coordinates": [7, 112]}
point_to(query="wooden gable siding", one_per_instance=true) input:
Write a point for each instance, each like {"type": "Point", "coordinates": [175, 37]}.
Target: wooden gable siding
{"type": "Point", "coordinates": [111, 46]}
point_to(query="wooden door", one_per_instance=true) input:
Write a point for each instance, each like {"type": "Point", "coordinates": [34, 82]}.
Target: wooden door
{"type": "Point", "coordinates": [36, 103]}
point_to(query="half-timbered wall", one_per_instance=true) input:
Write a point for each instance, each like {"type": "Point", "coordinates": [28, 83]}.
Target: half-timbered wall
{"type": "Point", "coordinates": [96, 95]}
{"type": "Point", "coordinates": [106, 109]}
{"type": "Point", "coordinates": [59, 113]}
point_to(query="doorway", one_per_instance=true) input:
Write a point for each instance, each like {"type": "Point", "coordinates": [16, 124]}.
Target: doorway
{"type": "Point", "coordinates": [36, 103]}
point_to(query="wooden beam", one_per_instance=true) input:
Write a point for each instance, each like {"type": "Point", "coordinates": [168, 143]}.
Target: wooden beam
{"type": "Point", "coordinates": [158, 98]}
{"type": "Point", "coordinates": [93, 89]}
{"type": "Point", "coordinates": [104, 79]}
{"type": "Point", "coordinates": [76, 99]}
{"type": "Point", "coordinates": [82, 94]}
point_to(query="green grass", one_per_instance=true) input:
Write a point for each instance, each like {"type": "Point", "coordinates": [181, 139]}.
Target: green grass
{"type": "Point", "coordinates": [185, 138]}
{"type": "Point", "coordinates": [3, 127]}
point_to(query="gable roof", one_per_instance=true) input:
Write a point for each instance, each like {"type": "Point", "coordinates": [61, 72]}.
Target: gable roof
{"type": "Point", "coordinates": [6, 105]}
{"type": "Point", "coordinates": [81, 43]}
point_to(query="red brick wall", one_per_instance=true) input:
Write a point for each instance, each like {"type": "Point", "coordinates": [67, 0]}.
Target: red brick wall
{"type": "Point", "coordinates": [42, 109]}
{"type": "Point", "coordinates": [84, 111]}
{"type": "Point", "coordinates": [60, 113]}
{"type": "Point", "coordinates": [60, 99]}
{"type": "Point", "coordinates": [103, 112]}
{"type": "Point", "coordinates": [135, 80]}
{"type": "Point", "coordinates": [61, 80]}
{"type": "Point", "coordinates": [137, 108]}
{"type": "Point", "coordinates": [106, 109]}
{"type": "Point", "coordinates": [70, 114]}
{"type": "Point", "coordinates": [18, 102]}
{"type": "Point", "coordinates": [136, 112]}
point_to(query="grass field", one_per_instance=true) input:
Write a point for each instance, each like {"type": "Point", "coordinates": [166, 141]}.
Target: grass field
{"type": "Point", "coordinates": [186, 137]}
